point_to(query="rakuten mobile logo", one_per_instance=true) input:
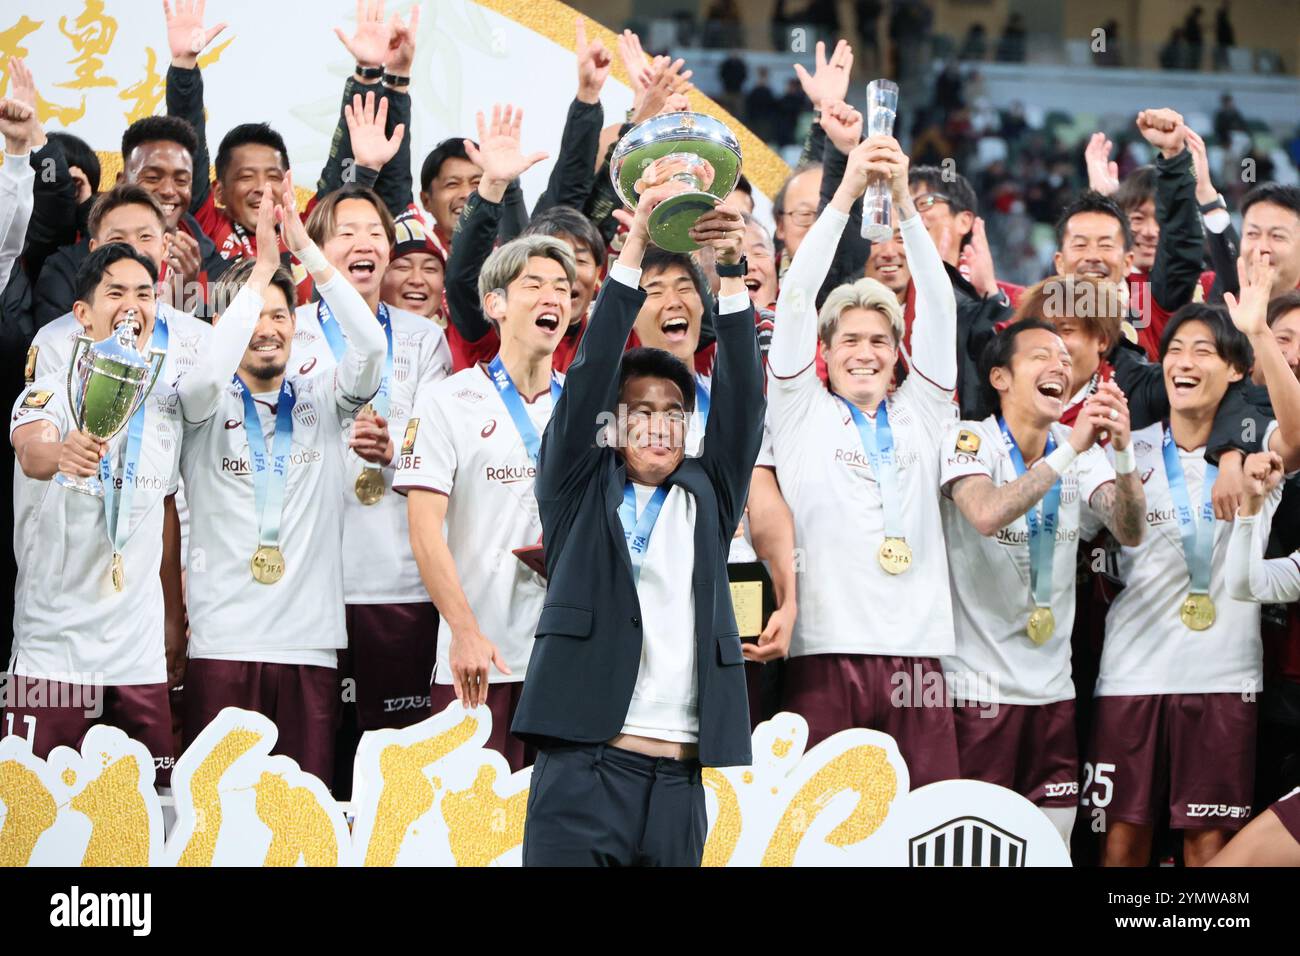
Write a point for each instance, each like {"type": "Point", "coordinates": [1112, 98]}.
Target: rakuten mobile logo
{"type": "Point", "coordinates": [509, 474]}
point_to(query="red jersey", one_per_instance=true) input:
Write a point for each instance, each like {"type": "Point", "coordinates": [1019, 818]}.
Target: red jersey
{"type": "Point", "coordinates": [233, 241]}
{"type": "Point", "coordinates": [1154, 317]}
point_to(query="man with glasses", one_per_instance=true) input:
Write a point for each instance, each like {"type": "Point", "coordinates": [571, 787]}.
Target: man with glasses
{"type": "Point", "coordinates": [795, 210]}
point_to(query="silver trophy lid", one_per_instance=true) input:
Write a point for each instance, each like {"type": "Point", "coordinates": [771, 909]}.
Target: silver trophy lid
{"type": "Point", "coordinates": [120, 347]}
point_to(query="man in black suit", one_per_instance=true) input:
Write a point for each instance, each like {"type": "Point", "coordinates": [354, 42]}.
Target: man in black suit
{"type": "Point", "coordinates": [636, 679]}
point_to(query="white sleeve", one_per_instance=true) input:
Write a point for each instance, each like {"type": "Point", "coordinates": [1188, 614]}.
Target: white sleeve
{"type": "Point", "coordinates": [361, 367]}
{"type": "Point", "coordinates": [794, 340]}
{"type": "Point", "coordinates": [200, 389]}
{"type": "Point", "coordinates": [17, 182]}
{"type": "Point", "coordinates": [966, 451]}
{"type": "Point", "coordinates": [934, 330]}
{"type": "Point", "coordinates": [1250, 576]}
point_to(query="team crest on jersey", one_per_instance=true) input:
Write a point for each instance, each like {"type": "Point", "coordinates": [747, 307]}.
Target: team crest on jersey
{"type": "Point", "coordinates": [968, 441]}
{"type": "Point", "coordinates": [38, 398]}
{"type": "Point", "coordinates": [408, 440]}
{"type": "Point", "coordinates": [29, 370]}
{"type": "Point", "coordinates": [304, 413]}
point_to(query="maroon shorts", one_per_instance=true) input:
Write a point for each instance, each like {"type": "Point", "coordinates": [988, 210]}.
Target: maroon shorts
{"type": "Point", "coordinates": [834, 692]}
{"type": "Point", "coordinates": [56, 714]}
{"type": "Point", "coordinates": [1196, 750]}
{"type": "Point", "coordinates": [502, 699]}
{"type": "Point", "coordinates": [302, 700]}
{"type": "Point", "coordinates": [1028, 748]}
{"type": "Point", "coordinates": [1288, 811]}
{"type": "Point", "coordinates": [391, 650]}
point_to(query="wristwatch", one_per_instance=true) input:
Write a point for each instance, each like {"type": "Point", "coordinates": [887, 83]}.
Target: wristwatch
{"type": "Point", "coordinates": [739, 270]}
{"type": "Point", "coordinates": [370, 73]}
{"type": "Point", "coordinates": [1216, 203]}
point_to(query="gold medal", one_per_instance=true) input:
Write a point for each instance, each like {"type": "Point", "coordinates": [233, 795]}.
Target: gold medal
{"type": "Point", "coordinates": [370, 486]}
{"type": "Point", "coordinates": [1197, 612]}
{"type": "Point", "coordinates": [1042, 625]}
{"type": "Point", "coordinates": [267, 565]}
{"type": "Point", "coordinates": [118, 572]}
{"type": "Point", "coordinates": [895, 555]}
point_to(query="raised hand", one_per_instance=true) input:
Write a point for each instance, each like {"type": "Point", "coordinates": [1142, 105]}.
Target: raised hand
{"type": "Point", "coordinates": [292, 229]}
{"type": "Point", "coordinates": [401, 45]}
{"type": "Point", "coordinates": [1255, 280]}
{"type": "Point", "coordinates": [594, 63]}
{"type": "Point", "coordinates": [876, 157]}
{"type": "Point", "coordinates": [1105, 413]}
{"type": "Point", "coordinates": [842, 124]}
{"type": "Point", "coordinates": [15, 125]}
{"type": "Point", "coordinates": [664, 80]}
{"type": "Point", "coordinates": [1103, 172]}
{"type": "Point", "coordinates": [181, 250]}
{"type": "Point", "coordinates": [371, 146]}
{"type": "Point", "coordinates": [268, 243]}
{"type": "Point", "coordinates": [1263, 471]}
{"type": "Point", "coordinates": [187, 37]}
{"type": "Point", "coordinates": [23, 89]}
{"type": "Point", "coordinates": [830, 80]}
{"type": "Point", "coordinates": [370, 438]}
{"type": "Point", "coordinates": [723, 229]}
{"type": "Point", "coordinates": [369, 45]}
{"type": "Point", "coordinates": [634, 61]}
{"type": "Point", "coordinates": [979, 259]}
{"type": "Point", "coordinates": [498, 153]}
{"type": "Point", "coordinates": [1163, 129]}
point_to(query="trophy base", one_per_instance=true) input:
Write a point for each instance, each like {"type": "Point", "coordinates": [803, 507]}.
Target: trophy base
{"type": "Point", "coordinates": [672, 220]}
{"type": "Point", "coordinates": [877, 231]}
{"type": "Point", "coordinates": [91, 486]}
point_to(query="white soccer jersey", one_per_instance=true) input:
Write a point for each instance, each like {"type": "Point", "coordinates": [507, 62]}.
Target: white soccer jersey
{"type": "Point", "coordinates": [848, 603]}
{"type": "Point", "coordinates": [1148, 649]}
{"type": "Point", "coordinates": [69, 622]}
{"type": "Point", "coordinates": [232, 614]}
{"type": "Point", "coordinates": [378, 564]}
{"type": "Point", "coordinates": [463, 443]}
{"type": "Point", "coordinates": [664, 704]}
{"type": "Point", "coordinates": [992, 597]}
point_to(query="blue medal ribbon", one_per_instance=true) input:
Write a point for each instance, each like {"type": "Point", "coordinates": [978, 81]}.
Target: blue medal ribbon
{"type": "Point", "coordinates": [637, 531]}
{"type": "Point", "coordinates": [115, 505]}
{"type": "Point", "coordinates": [1042, 520]}
{"type": "Point", "coordinates": [338, 344]}
{"type": "Point", "coordinates": [269, 477]}
{"type": "Point", "coordinates": [1195, 528]}
{"type": "Point", "coordinates": [878, 446]}
{"type": "Point", "coordinates": [702, 399]}
{"type": "Point", "coordinates": [515, 405]}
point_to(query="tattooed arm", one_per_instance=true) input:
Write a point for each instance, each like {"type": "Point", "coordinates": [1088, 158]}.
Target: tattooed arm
{"type": "Point", "coordinates": [1121, 504]}
{"type": "Point", "coordinates": [989, 507]}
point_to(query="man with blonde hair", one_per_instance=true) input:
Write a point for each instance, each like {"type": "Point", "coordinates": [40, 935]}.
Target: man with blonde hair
{"type": "Point", "coordinates": [859, 467]}
{"type": "Point", "coordinates": [467, 462]}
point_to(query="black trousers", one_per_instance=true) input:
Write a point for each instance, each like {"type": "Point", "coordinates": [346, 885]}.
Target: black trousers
{"type": "Point", "coordinates": [596, 805]}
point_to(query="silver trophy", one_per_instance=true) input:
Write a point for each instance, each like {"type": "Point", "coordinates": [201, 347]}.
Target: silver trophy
{"type": "Point", "coordinates": [696, 150]}
{"type": "Point", "coordinates": [882, 108]}
{"type": "Point", "coordinates": [107, 382]}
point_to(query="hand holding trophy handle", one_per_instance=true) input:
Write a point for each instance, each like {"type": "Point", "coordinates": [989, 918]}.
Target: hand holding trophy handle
{"type": "Point", "coordinates": [882, 109]}
{"type": "Point", "coordinates": [107, 382]}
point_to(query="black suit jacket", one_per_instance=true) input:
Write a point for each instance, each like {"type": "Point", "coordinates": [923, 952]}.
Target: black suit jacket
{"type": "Point", "coordinates": [588, 649]}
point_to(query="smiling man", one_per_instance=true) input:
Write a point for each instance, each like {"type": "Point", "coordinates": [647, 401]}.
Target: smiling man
{"type": "Point", "coordinates": [263, 464]}
{"type": "Point", "coordinates": [1175, 714]}
{"type": "Point", "coordinates": [391, 623]}
{"type": "Point", "coordinates": [98, 591]}
{"type": "Point", "coordinates": [467, 463]}
{"type": "Point", "coordinates": [1019, 492]}
{"type": "Point", "coordinates": [860, 468]}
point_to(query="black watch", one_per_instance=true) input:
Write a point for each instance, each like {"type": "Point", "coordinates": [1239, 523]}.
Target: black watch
{"type": "Point", "coordinates": [739, 270]}
{"type": "Point", "coordinates": [1216, 203]}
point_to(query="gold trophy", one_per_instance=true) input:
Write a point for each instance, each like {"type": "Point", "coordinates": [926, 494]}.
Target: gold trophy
{"type": "Point", "coordinates": [107, 382]}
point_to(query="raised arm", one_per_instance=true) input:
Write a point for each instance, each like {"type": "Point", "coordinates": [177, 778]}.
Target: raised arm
{"type": "Point", "coordinates": [1181, 247]}
{"type": "Point", "coordinates": [188, 37]}
{"type": "Point", "coordinates": [200, 389]}
{"type": "Point", "coordinates": [573, 174]}
{"type": "Point", "coordinates": [17, 180]}
{"type": "Point", "coordinates": [1250, 576]}
{"type": "Point", "coordinates": [1255, 278]}
{"type": "Point", "coordinates": [934, 331]}
{"type": "Point", "coordinates": [843, 127]}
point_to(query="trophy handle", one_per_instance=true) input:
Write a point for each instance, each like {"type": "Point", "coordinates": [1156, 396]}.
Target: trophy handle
{"type": "Point", "coordinates": [79, 346]}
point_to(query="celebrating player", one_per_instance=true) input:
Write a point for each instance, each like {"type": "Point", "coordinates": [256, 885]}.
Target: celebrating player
{"type": "Point", "coordinates": [98, 591]}
{"type": "Point", "coordinates": [1020, 489]}
{"type": "Point", "coordinates": [263, 464]}
{"type": "Point", "coordinates": [468, 461]}
{"type": "Point", "coordinates": [860, 468]}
